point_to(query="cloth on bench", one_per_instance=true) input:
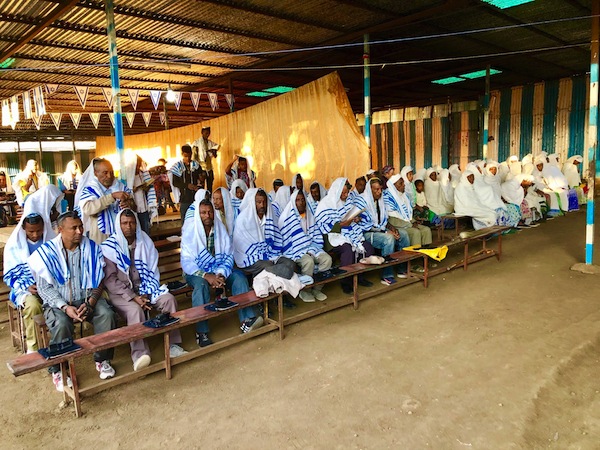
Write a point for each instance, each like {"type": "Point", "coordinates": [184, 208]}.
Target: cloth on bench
{"type": "Point", "coordinates": [437, 253]}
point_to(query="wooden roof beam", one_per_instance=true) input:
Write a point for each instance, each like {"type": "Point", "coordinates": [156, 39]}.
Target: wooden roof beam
{"type": "Point", "coordinates": [62, 7]}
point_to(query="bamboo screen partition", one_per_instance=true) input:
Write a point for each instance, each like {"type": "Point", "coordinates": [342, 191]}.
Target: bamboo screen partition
{"type": "Point", "coordinates": [311, 130]}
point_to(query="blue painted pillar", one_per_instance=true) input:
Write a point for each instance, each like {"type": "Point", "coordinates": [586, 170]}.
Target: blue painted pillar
{"type": "Point", "coordinates": [486, 114]}
{"type": "Point", "coordinates": [593, 136]}
{"type": "Point", "coordinates": [116, 89]}
{"type": "Point", "coordinates": [367, 88]}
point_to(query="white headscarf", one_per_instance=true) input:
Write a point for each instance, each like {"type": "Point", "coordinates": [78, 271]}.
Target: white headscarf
{"type": "Point", "coordinates": [512, 191]}
{"type": "Point", "coordinates": [492, 180]}
{"type": "Point", "coordinates": [116, 249]}
{"type": "Point", "coordinates": [554, 177]}
{"type": "Point", "coordinates": [553, 160]}
{"type": "Point", "coordinates": [310, 201]}
{"type": "Point", "coordinates": [236, 202]}
{"type": "Point", "coordinates": [296, 241]}
{"type": "Point", "coordinates": [466, 202]}
{"type": "Point", "coordinates": [282, 197]}
{"type": "Point", "coordinates": [198, 196]}
{"type": "Point", "coordinates": [17, 274]}
{"type": "Point", "coordinates": [42, 180]}
{"type": "Point", "coordinates": [398, 203]}
{"type": "Point", "coordinates": [410, 189]}
{"type": "Point", "coordinates": [447, 187]}
{"type": "Point", "coordinates": [434, 192]}
{"type": "Point", "coordinates": [571, 172]}
{"type": "Point", "coordinates": [455, 173]}
{"type": "Point", "coordinates": [371, 211]}
{"type": "Point", "coordinates": [72, 173]}
{"type": "Point", "coordinates": [230, 212]}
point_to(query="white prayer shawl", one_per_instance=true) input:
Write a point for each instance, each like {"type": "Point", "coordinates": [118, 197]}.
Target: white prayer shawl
{"type": "Point", "coordinates": [42, 180]}
{"type": "Point", "coordinates": [145, 259]}
{"type": "Point", "coordinates": [282, 197]}
{"type": "Point", "coordinates": [512, 191]}
{"type": "Point", "coordinates": [468, 203]}
{"type": "Point", "coordinates": [553, 160]}
{"type": "Point", "coordinates": [447, 188]}
{"type": "Point", "coordinates": [236, 202]}
{"type": "Point", "coordinates": [397, 203]}
{"type": "Point", "coordinates": [72, 176]}
{"type": "Point", "coordinates": [503, 171]}
{"type": "Point", "coordinates": [49, 262]}
{"type": "Point", "coordinates": [203, 147]}
{"type": "Point", "coordinates": [17, 274]}
{"type": "Point", "coordinates": [234, 175]}
{"type": "Point", "coordinates": [554, 178]}
{"type": "Point", "coordinates": [150, 194]}
{"type": "Point", "coordinates": [177, 169]}
{"type": "Point", "coordinates": [370, 215]}
{"type": "Point", "coordinates": [434, 193]}
{"type": "Point", "coordinates": [331, 210]}
{"type": "Point", "coordinates": [409, 187]}
{"type": "Point", "coordinates": [198, 197]}
{"type": "Point", "coordinates": [253, 241]}
{"type": "Point", "coordinates": [297, 242]}
{"type": "Point", "coordinates": [455, 175]}
{"type": "Point", "coordinates": [294, 179]}
{"type": "Point", "coordinates": [194, 254]}
{"type": "Point", "coordinates": [571, 172]}
{"type": "Point", "coordinates": [420, 174]}
{"type": "Point", "coordinates": [514, 166]}
{"type": "Point", "coordinates": [492, 180]}
{"type": "Point", "coordinates": [310, 201]}
{"type": "Point", "coordinates": [230, 211]}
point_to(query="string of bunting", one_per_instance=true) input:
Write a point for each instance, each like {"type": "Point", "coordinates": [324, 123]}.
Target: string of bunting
{"type": "Point", "coordinates": [36, 109]}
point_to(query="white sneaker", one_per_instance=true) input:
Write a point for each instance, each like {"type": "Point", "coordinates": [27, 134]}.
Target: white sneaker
{"type": "Point", "coordinates": [58, 382]}
{"type": "Point", "coordinates": [307, 297]}
{"type": "Point", "coordinates": [105, 369]}
{"type": "Point", "coordinates": [141, 363]}
{"type": "Point", "coordinates": [319, 295]}
{"type": "Point", "coordinates": [175, 351]}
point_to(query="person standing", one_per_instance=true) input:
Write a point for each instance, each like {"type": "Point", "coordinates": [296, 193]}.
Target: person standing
{"type": "Point", "coordinates": [204, 150]}
{"type": "Point", "coordinates": [69, 181]}
{"type": "Point", "coordinates": [29, 180]}
{"type": "Point", "coordinates": [186, 177]}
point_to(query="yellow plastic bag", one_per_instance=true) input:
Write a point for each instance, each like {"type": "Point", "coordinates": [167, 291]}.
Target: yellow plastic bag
{"type": "Point", "coordinates": [437, 253]}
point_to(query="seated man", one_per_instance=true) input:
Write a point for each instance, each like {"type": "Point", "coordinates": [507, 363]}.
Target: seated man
{"type": "Point", "coordinates": [224, 210]}
{"type": "Point", "coordinates": [33, 230]}
{"type": "Point", "coordinates": [400, 213]}
{"type": "Point", "coordinates": [257, 240]}
{"type": "Point", "coordinates": [207, 262]}
{"type": "Point", "coordinates": [68, 273]}
{"type": "Point", "coordinates": [381, 234]}
{"type": "Point", "coordinates": [239, 169]}
{"type": "Point", "coordinates": [337, 218]}
{"type": "Point", "coordinates": [317, 192]}
{"type": "Point", "coordinates": [135, 288]}
{"type": "Point", "coordinates": [277, 183]}
{"type": "Point", "coordinates": [100, 196]}
{"type": "Point", "coordinates": [359, 187]}
{"type": "Point", "coordinates": [303, 243]}
{"type": "Point", "coordinates": [236, 194]}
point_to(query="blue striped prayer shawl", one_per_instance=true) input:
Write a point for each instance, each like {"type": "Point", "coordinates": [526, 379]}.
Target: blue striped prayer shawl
{"type": "Point", "coordinates": [297, 242]}
{"type": "Point", "coordinates": [106, 217]}
{"type": "Point", "coordinates": [179, 167]}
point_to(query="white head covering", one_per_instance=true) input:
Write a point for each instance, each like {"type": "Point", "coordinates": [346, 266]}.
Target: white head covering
{"type": "Point", "coordinates": [455, 173]}
{"type": "Point", "coordinates": [553, 159]}
{"type": "Point", "coordinates": [200, 195]}
{"type": "Point", "coordinates": [512, 191]}
{"type": "Point", "coordinates": [236, 202]}
{"type": "Point", "coordinates": [466, 202]}
{"type": "Point", "coordinates": [230, 213]}
{"type": "Point", "coordinates": [116, 249]}
{"type": "Point", "coordinates": [436, 200]}
{"type": "Point", "coordinates": [492, 180]}
{"type": "Point", "coordinates": [295, 241]}
{"type": "Point", "coordinates": [410, 189]}
{"type": "Point", "coordinates": [42, 180]}
{"type": "Point", "coordinates": [571, 172]}
{"type": "Point", "coordinates": [72, 172]}
{"type": "Point", "coordinates": [398, 203]}
{"type": "Point", "coordinates": [371, 211]}
{"type": "Point", "coordinates": [234, 173]}
{"type": "Point", "coordinates": [447, 187]}
{"type": "Point", "coordinates": [294, 178]}
{"type": "Point", "coordinates": [282, 197]}
{"type": "Point", "coordinates": [420, 175]}
{"type": "Point", "coordinates": [310, 201]}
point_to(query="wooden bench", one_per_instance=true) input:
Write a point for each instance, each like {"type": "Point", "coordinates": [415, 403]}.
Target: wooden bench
{"type": "Point", "coordinates": [456, 218]}
{"type": "Point", "coordinates": [28, 363]}
{"type": "Point", "coordinates": [156, 235]}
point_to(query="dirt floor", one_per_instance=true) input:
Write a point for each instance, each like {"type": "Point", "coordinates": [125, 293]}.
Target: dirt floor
{"type": "Point", "coordinates": [505, 355]}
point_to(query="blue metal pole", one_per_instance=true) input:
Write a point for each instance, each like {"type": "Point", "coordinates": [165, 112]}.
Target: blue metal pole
{"type": "Point", "coordinates": [594, 170]}
{"type": "Point", "coordinates": [367, 88]}
{"type": "Point", "coordinates": [486, 114]}
{"type": "Point", "coordinates": [116, 89]}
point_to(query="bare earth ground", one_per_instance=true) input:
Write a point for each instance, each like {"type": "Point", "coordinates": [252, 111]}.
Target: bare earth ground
{"type": "Point", "coordinates": [505, 355]}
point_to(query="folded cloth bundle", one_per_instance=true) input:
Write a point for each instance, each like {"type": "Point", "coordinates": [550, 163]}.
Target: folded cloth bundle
{"type": "Point", "coordinates": [437, 253]}
{"type": "Point", "coordinates": [373, 259]}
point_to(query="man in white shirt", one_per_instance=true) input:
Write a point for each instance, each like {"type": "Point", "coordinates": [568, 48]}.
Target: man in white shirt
{"type": "Point", "coordinates": [204, 151]}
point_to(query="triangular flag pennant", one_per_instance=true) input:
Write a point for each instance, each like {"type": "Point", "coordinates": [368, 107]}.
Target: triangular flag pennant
{"type": "Point", "coordinates": [5, 113]}
{"type": "Point", "coordinates": [195, 99]}
{"type": "Point", "coordinates": [56, 117]}
{"type": "Point", "coordinates": [130, 118]}
{"type": "Point", "coordinates": [15, 113]}
{"type": "Point", "coordinates": [230, 100]}
{"type": "Point", "coordinates": [214, 101]}
{"type": "Point", "coordinates": [75, 118]}
{"type": "Point", "coordinates": [51, 88]}
{"type": "Point", "coordinates": [82, 93]}
{"type": "Point", "coordinates": [27, 111]}
{"type": "Point", "coordinates": [108, 96]}
{"type": "Point", "coordinates": [161, 116]}
{"type": "Point", "coordinates": [37, 120]}
{"type": "Point", "coordinates": [111, 116]}
{"type": "Point", "coordinates": [147, 116]}
{"type": "Point", "coordinates": [178, 96]}
{"type": "Point", "coordinates": [155, 96]}
{"type": "Point", "coordinates": [38, 101]}
{"type": "Point", "coordinates": [134, 95]}
{"type": "Point", "coordinates": [95, 118]}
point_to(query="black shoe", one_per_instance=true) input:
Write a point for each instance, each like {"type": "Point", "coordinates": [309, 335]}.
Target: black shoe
{"type": "Point", "coordinates": [288, 304]}
{"type": "Point", "coordinates": [347, 289]}
{"type": "Point", "coordinates": [203, 340]}
{"type": "Point", "coordinates": [365, 283]}
{"type": "Point", "coordinates": [176, 285]}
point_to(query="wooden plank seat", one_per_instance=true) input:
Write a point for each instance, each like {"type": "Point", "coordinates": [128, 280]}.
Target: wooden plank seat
{"type": "Point", "coordinates": [456, 218]}
{"type": "Point", "coordinates": [28, 363]}
{"type": "Point", "coordinates": [157, 235]}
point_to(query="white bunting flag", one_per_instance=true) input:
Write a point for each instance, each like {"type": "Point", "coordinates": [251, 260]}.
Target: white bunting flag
{"type": "Point", "coordinates": [130, 118]}
{"type": "Point", "coordinates": [108, 96]}
{"type": "Point", "coordinates": [155, 96]}
{"type": "Point", "coordinates": [134, 95]}
{"type": "Point", "coordinates": [95, 118]}
{"type": "Point", "coordinates": [111, 116]}
{"type": "Point", "coordinates": [51, 88]}
{"type": "Point", "coordinates": [230, 100]}
{"type": "Point", "coordinates": [82, 93]}
{"type": "Point", "coordinates": [14, 110]}
{"type": "Point", "coordinates": [56, 118]}
{"type": "Point", "coordinates": [161, 116]}
{"type": "Point", "coordinates": [37, 120]}
{"type": "Point", "coordinates": [5, 113]}
{"type": "Point", "coordinates": [27, 111]}
{"type": "Point", "coordinates": [75, 118]}
{"type": "Point", "coordinates": [147, 116]}
{"type": "Point", "coordinates": [214, 101]}
{"type": "Point", "coordinates": [38, 101]}
{"type": "Point", "coordinates": [178, 96]}
{"type": "Point", "coordinates": [195, 96]}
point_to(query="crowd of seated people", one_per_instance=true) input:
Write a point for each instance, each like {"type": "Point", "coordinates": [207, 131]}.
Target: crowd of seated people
{"type": "Point", "coordinates": [96, 261]}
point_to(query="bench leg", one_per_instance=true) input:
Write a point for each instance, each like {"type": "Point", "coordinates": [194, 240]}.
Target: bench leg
{"type": "Point", "coordinates": [75, 390]}
{"type": "Point", "coordinates": [280, 315]}
{"type": "Point", "coordinates": [21, 328]}
{"type": "Point", "coordinates": [466, 261]}
{"type": "Point", "coordinates": [167, 341]}
{"type": "Point", "coordinates": [499, 252]}
{"type": "Point", "coordinates": [425, 270]}
{"type": "Point", "coordinates": [355, 291]}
